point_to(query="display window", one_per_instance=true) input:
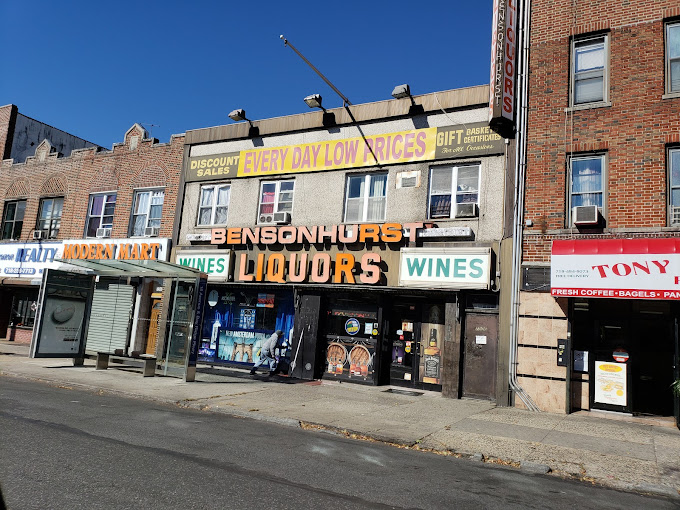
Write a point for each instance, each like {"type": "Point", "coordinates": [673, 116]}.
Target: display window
{"type": "Point", "coordinates": [236, 323]}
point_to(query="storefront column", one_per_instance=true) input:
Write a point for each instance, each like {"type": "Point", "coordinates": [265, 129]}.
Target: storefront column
{"type": "Point", "coordinates": [452, 348]}
{"type": "Point", "coordinates": [308, 366]}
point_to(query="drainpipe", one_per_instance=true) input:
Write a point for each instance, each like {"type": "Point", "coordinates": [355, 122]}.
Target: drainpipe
{"type": "Point", "coordinates": [520, 176]}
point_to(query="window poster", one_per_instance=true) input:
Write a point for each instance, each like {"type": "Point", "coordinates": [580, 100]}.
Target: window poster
{"type": "Point", "coordinates": [247, 318]}
{"type": "Point", "coordinates": [265, 300]}
{"type": "Point", "coordinates": [610, 383]}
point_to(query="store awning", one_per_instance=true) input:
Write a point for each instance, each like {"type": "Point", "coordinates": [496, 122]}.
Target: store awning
{"type": "Point", "coordinates": [139, 268]}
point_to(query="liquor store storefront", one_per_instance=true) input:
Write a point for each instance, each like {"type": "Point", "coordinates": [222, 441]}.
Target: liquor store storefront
{"type": "Point", "coordinates": [624, 304]}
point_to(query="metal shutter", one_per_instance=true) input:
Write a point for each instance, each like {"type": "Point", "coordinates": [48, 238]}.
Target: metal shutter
{"type": "Point", "coordinates": [110, 316]}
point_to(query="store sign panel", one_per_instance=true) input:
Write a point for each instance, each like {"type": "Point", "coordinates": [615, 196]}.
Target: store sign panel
{"type": "Point", "coordinates": [475, 139]}
{"type": "Point", "coordinates": [454, 268]}
{"type": "Point", "coordinates": [502, 98]}
{"type": "Point", "coordinates": [626, 268]}
{"type": "Point", "coordinates": [215, 263]}
{"type": "Point", "coordinates": [28, 260]}
{"type": "Point", "coordinates": [116, 249]}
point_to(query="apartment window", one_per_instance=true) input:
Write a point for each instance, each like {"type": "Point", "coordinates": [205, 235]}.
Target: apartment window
{"type": "Point", "coordinates": [673, 57]}
{"type": "Point", "coordinates": [146, 213]}
{"type": "Point", "coordinates": [586, 182]}
{"type": "Point", "coordinates": [49, 216]}
{"type": "Point", "coordinates": [674, 173]}
{"type": "Point", "coordinates": [214, 205]}
{"type": "Point", "coordinates": [13, 219]}
{"type": "Point", "coordinates": [589, 70]}
{"type": "Point", "coordinates": [365, 199]}
{"type": "Point", "coordinates": [454, 191]}
{"type": "Point", "coordinates": [100, 212]}
{"type": "Point", "coordinates": [275, 197]}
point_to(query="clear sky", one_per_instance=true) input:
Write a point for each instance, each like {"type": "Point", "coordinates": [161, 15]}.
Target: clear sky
{"type": "Point", "coordinates": [93, 68]}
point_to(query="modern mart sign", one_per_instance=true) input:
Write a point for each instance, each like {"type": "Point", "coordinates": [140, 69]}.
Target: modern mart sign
{"type": "Point", "coordinates": [616, 268]}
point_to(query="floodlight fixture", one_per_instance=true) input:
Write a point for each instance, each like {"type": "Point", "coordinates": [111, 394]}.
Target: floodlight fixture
{"type": "Point", "coordinates": [401, 91]}
{"type": "Point", "coordinates": [314, 101]}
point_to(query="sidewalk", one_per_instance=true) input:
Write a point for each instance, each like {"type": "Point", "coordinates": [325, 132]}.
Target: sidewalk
{"type": "Point", "coordinates": [642, 456]}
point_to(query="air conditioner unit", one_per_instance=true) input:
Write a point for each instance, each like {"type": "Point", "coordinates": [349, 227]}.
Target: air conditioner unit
{"type": "Point", "coordinates": [39, 234]}
{"type": "Point", "coordinates": [103, 232]}
{"type": "Point", "coordinates": [151, 231]}
{"type": "Point", "coordinates": [281, 218]}
{"type": "Point", "coordinates": [466, 210]}
{"type": "Point", "coordinates": [585, 215]}
{"type": "Point", "coordinates": [266, 218]}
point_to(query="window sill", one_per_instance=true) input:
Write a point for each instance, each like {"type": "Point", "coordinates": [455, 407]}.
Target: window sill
{"type": "Point", "coordinates": [671, 95]}
{"type": "Point", "coordinates": [587, 106]}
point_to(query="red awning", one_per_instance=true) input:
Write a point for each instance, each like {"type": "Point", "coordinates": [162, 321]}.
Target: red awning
{"type": "Point", "coordinates": [615, 246]}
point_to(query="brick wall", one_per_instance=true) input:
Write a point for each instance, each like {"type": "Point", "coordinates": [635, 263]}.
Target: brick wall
{"type": "Point", "coordinates": [634, 131]}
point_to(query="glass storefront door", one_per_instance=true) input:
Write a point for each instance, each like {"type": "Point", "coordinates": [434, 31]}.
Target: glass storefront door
{"type": "Point", "coordinates": [406, 347]}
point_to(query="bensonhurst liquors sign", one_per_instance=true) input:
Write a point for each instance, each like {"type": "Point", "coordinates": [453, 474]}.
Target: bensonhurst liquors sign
{"type": "Point", "coordinates": [616, 268]}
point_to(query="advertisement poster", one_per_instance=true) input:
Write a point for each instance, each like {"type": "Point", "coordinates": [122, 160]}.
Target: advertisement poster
{"type": "Point", "coordinates": [240, 346]}
{"type": "Point", "coordinates": [610, 383]}
{"type": "Point", "coordinates": [247, 318]}
{"type": "Point", "coordinates": [265, 300]}
{"type": "Point", "coordinates": [431, 339]}
{"type": "Point", "coordinates": [62, 314]}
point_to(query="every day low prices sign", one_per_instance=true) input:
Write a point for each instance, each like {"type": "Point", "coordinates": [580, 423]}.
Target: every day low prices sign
{"type": "Point", "coordinates": [616, 268]}
{"type": "Point", "coordinates": [474, 139]}
{"type": "Point", "coordinates": [454, 268]}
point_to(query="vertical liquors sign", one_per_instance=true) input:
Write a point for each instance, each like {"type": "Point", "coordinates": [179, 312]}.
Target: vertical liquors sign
{"type": "Point", "coordinates": [502, 91]}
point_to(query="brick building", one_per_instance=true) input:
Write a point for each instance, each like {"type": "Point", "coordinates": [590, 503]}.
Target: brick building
{"type": "Point", "coordinates": [57, 207]}
{"type": "Point", "coordinates": [602, 207]}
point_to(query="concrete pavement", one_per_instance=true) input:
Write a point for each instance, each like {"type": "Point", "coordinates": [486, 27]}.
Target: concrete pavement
{"type": "Point", "coordinates": [629, 454]}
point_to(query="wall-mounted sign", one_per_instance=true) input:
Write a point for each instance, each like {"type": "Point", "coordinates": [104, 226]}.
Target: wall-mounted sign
{"type": "Point", "coordinates": [503, 67]}
{"type": "Point", "coordinates": [616, 268]}
{"type": "Point", "coordinates": [620, 355]}
{"type": "Point", "coordinates": [203, 236]}
{"type": "Point", "coordinates": [352, 326]}
{"type": "Point", "coordinates": [610, 383]}
{"type": "Point", "coordinates": [28, 260]}
{"type": "Point", "coordinates": [475, 139]}
{"type": "Point", "coordinates": [217, 264]}
{"type": "Point", "coordinates": [116, 249]}
{"type": "Point", "coordinates": [455, 268]}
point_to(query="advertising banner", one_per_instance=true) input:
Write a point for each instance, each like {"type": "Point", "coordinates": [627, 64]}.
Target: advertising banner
{"type": "Point", "coordinates": [616, 268]}
{"type": "Point", "coordinates": [455, 268]}
{"type": "Point", "coordinates": [474, 139]}
{"type": "Point", "coordinates": [28, 260]}
{"type": "Point", "coordinates": [64, 302]}
{"type": "Point", "coordinates": [610, 383]}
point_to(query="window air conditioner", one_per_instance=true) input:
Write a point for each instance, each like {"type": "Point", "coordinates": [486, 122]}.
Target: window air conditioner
{"type": "Point", "coordinates": [103, 232]}
{"type": "Point", "coordinates": [281, 218]}
{"type": "Point", "coordinates": [39, 234]}
{"type": "Point", "coordinates": [266, 218]}
{"type": "Point", "coordinates": [151, 231]}
{"type": "Point", "coordinates": [466, 210]}
{"type": "Point", "coordinates": [585, 215]}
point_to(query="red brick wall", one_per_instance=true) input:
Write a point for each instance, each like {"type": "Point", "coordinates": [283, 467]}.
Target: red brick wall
{"type": "Point", "coordinates": [634, 131]}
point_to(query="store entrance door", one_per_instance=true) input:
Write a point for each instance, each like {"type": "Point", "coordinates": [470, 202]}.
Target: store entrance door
{"type": "Point", "coordinates": [404, 336]}
{"type": "Point", "coordinates": [479, 369]}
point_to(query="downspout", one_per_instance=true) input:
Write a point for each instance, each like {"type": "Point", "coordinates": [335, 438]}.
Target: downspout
{"type": "Point", "coordinates": [520, 175]}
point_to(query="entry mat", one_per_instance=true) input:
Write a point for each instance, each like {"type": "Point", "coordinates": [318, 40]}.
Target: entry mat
{"type": "Point", "coordinates": [405, 392]}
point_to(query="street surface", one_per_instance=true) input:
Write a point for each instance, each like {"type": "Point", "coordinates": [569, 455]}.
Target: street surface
{"type": "Point", "coordinates": [70, 449]}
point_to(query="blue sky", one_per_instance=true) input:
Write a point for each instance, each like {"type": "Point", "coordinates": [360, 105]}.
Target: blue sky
{"type": "Point", "coordinates": [94, 68]}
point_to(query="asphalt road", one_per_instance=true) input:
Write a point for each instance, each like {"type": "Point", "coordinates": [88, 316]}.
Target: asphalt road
{"type": "Point", "coordinates": [69, 449]}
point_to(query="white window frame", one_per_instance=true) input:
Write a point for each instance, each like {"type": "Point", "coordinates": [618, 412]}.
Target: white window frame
{"type": "Point", "coordinates": [151, 192]}
{"type": "Point", "coordinates": [673, 210]}
{"type": "Point", "coordinates": [106, 195]}
{"type": "Point", "coordinates": [674, 25]}
{"type": "Point", "coordinates": [277, 201]}
{"type": "Point", "coordinates": [367, 186]}
{"type": "Point", "coordinates": [581, 42]}
{"type": "Point", "coordinates": [51, 230]}
{"type": "Point", "coordinates": [214, 205]}
{"type": "Point", "coordinates": [603, 189]}
{"type": "Point", "coordinates": [454, 192]}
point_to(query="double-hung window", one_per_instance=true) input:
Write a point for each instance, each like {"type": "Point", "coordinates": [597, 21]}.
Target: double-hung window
{"type": "Point", "coordinates": [589, 73]}
{"type": "Point", "coordinates": [454, 191]}
{"type": "Point", "coordinates": [49, 216]}
{"type": "Point", "coordinates": [586, 182]}
{"type": "Point", "coordinates": [100, 213]}
{"type": "Point", "coordinates": [214, 204]}
{"type": "Point", "coordinates": [365, 197]}
{"type": "Point", "coordinates": [275, 197]}
{"type": "Point", "coordinates": [674, 178]}
{"type": "Point", "coordinates": [146, 212]}
{"type": "Point", "coordinates": [673, 57]}
{"type": "Point", "coordinates": [13, 219]}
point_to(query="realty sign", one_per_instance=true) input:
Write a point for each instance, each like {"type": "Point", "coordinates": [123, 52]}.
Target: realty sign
{"type": "Point", "coordinates": [616, 268]}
